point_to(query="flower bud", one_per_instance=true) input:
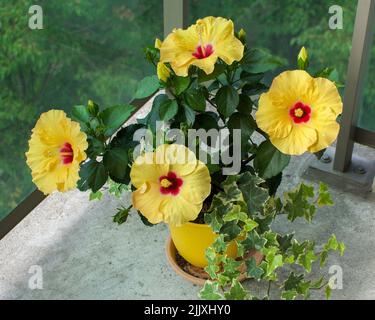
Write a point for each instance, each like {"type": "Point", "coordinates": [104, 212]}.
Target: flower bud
{"type": "Point", "coordinates": [303, 59]}
{"type": "Point", "coordinates": [163, 72]}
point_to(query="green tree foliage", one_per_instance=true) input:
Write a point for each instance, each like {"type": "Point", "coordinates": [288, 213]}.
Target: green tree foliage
{"type": "Point", "coordinates": [86, 49]}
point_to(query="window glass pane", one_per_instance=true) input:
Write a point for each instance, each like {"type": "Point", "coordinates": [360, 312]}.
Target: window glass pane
{"type": "Point", "coordinates": [86, 49]}
{"type": "Point", "coordinates": [285, 26]}
{"type": "Point", "coordinates": [367, 111]}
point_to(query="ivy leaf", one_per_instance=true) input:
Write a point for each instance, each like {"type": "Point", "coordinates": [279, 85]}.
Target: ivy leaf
{"type": "Point", "coordinates": [96, 195]}
{"type": "Point", "coordinates": [289, 295]}
{"type": "Point", "coordinates": [219, 244]}
{"type": "Point", "coordinates": [231, 267]}
{"type": "Point", "coordinates": [227, 100]}
{"type": "Point", "coordinates": [231, 230]}
{"type": "Point", "coordinates": [93, 175]}
{"type": "Point", "coordinates": [215, 220]}
{"type": "Point", "coordinates": [254, 195]}
{"type": "Point", "coordinates": [324, 197]}
{"type": "Point", "coordinates": [168, 109]}
{"type": "Point", "coordinates": [269, 161]}
{"type": "Point", "coordinates": [121, 216]}
{"type": "Point", "coordinates": [285, 242]}
{"type": "Point", "coordinates": [298, 205]}
{"type": "Point", "coordinates": [236, 292]}
{"type": "Point", "coordinates": [253, 241]}
{"type": "Point", "coordinates": [147, 87]}
{"type": "Point", "coordinates": [293, 281]}
{"type": "Point", "coordinates": [253, 270]}
{"type": "Point", "coordinates": [306, 259]}
{"type": "Point", "coordinates": [210, 291]}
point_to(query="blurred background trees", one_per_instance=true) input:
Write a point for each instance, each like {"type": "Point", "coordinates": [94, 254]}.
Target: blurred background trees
{"type": "Point", "coordinates": [94, 49]}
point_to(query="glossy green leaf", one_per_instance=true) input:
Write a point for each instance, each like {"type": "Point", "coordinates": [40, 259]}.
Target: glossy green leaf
{"type": "Point", "coordinates": [147, 87]}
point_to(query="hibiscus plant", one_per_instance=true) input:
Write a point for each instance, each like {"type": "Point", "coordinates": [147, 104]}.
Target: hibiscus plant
{"type": "Point", "coordinates": [208, 78]}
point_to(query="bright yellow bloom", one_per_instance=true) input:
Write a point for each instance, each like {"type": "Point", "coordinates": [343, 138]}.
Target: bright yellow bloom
{"type": "Point", "coordinates": [201, 45]}
{"type": "Point", "coordinates": [299, 112]}
{"type": "Point", "coordinates": [163, 72]}
{"type": "Point", "coordinates": [56, 148]}
{"type": "Point", "coordinates": [171, 185]}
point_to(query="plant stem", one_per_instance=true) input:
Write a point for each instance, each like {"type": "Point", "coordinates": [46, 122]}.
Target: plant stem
{"type": "Point", "coordinates": [269, 288]}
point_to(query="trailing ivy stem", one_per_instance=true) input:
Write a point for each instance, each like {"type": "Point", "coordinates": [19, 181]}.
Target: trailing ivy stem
{"type": "Point", "coordinates": [269, 288]}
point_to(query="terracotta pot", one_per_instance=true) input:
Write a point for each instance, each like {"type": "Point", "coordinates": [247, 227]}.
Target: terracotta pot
{"type": "Point", "coordinates": [197, 275]}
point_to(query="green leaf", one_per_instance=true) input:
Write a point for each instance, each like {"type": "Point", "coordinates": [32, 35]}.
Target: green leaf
{"type": "Point", "coordinates": [324, 197]}
{"type": "Point", "coordinates": [289, 295]}
{"type": "Point", "coordinates": [96, 195]}
{"type": "Point", "coordinates": [285, 242]}
{"type": "Point", "coordinates": [236, 292]}
{"type": "Point", "coordinates": [81, 114]}
{"type": "Point", "coordinates": [207, 121]}
{"type": "Point", "coordinates": [254, 195]}
{"type": "Point", "coordinates": [219, 244]}
{"type": "Point", "coordinates": [96, 147]}
{"type": "Point", "coordinates": [253, 270]}
{"type": "Point", "coordinates": [215, 220]}
{"type": "Point", "coordinates": [245, 105]}
{"type": "Point", "coordinates": [203, 77]}
{"type": "Point", "coordinates": [298, 205]}
{"type": "Point", "coordinates": [306, 259]}
{"type": "Point", "coordinates": [114, 117]}
{"type": "Point", "coordinates": [260, 61]}
{"type": "Point", "coordinates": [269, 161]}
{"type": "Point", "coordinates": [180, 84]}
{"type": "Point", "coordinates": [231, 230]}
{"type": "Point", "coordinates": [93, 175]}
{"type": "Point", "coordinates": [328, 292]}
{"type": "Point", "coordinates": [246, 124]}
{"type": "Point", "coordinates": [122, 215]}
{"type": "Point", "coordinates": [153, 116]}
{"type": "Point", "coordinates": [253, 241]}
{"type": "Point", "coordinates": [195, 99]}
{"type": "Point", "coordinates": [125, 137]}
{"type": "Point", "coordinates": [116, 162]}
{"type": "Point", "coordinates": [147, 87]}
{"type": "Point", "coordinates": [210, 291]}
{"type": "Point", "coordinates": [189, 115]}
{"type": "Point", "coordinates": [273, 262]}
{"type": "Point", "coordinates": [145, 221]}
{"type": "Point", "coordinates": [227, 100]}
{"type": "Point", "coordinates": [168, 109]}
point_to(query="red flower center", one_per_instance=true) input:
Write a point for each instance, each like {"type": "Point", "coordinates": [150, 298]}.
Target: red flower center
{"type": "Point", "coordinates": [300, 113]}
{"type": "Point", "coordinates": [170, 184]}
{"type": "Point", "coordinates": [202, 52]}
{"type": "Point", "coordinates": [66, 153]}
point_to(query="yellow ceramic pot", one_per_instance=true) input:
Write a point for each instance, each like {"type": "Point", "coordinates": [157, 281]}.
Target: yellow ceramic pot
{"type": "Point", "coordinates": [191, 241]}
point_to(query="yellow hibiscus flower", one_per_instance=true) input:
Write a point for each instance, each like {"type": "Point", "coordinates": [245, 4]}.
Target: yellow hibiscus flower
{"type": "Point", "coordinates": [201, 45]}
{"type": "Point", "coordinates": [299, 112]}
{"type": "Point", "coordinates": [56, 148]}
{"type": "Point", "coordinates": [171, 185]}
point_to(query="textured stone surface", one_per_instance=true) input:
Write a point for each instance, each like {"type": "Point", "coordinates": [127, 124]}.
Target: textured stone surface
{"type": "Point", "coordinates": [84, 255]}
